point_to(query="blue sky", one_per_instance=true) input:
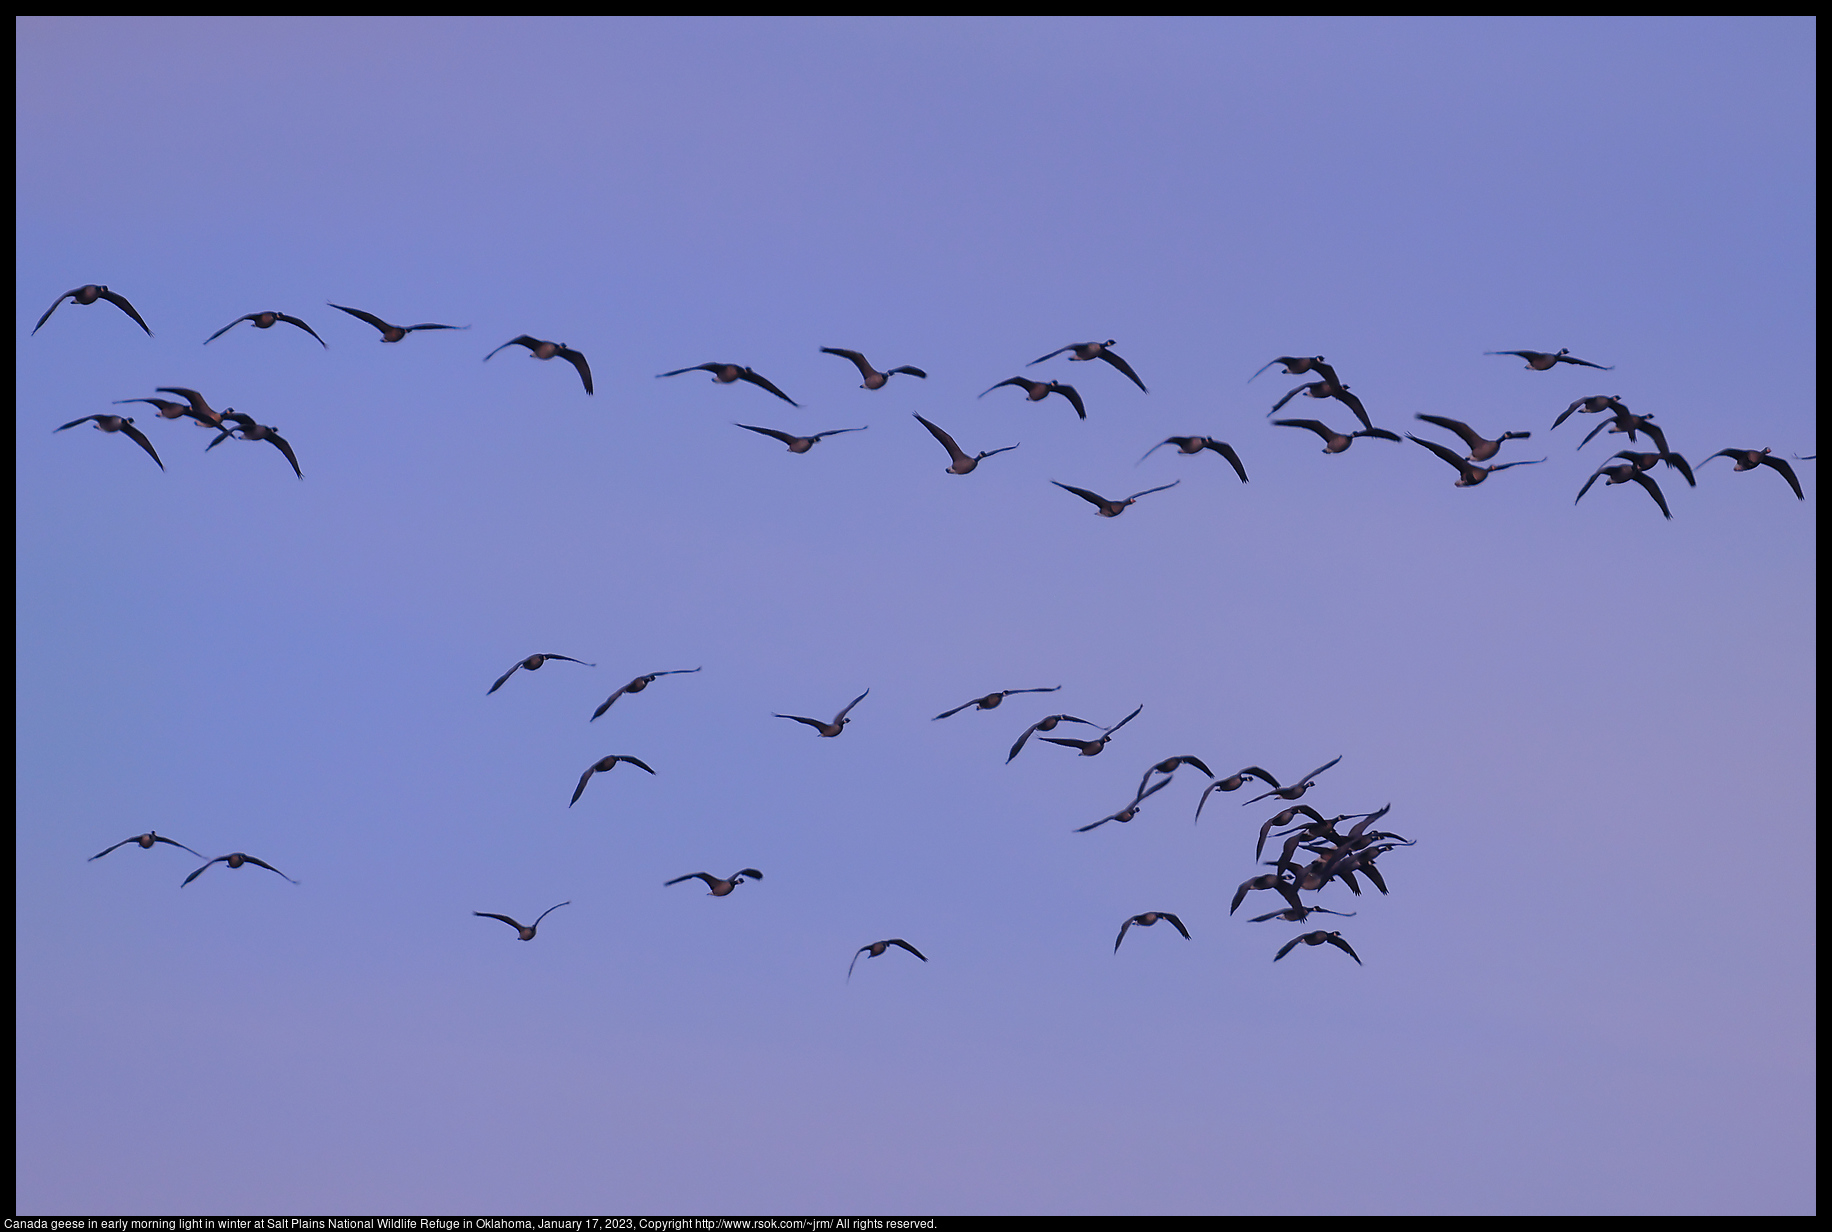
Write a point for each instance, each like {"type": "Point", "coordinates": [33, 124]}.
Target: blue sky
{"type": "Point", "coordinates": [1591, 988]}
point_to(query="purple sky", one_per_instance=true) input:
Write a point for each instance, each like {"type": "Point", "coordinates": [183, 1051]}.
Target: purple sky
{"type": "Point", "coordinates": [1592, 988]}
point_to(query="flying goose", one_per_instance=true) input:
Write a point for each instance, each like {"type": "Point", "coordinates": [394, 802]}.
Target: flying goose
{"type": "Point", "coordinates": [1318, 938]}
{"type": "Point", "coordinates": [1146, 921]}
{"type": "Point", "coordinates": [1297, 365]}
{"type": "Point", "coordinates": [603, 763]}
{"type": "Point", "coordinates": [1591, 406]}
{"type": "Point", "coordinates": [1048, 724]}
{"type": "Point", "coordinates": [991, 701]}
{"type": "Point", "coordinates": [1297, 915]}
{"type": "Point", "coordinates": [525, 931]}
{"type": "Point", "coordinates": [962, 464]}
{"type": "Point", "coordinates": [533, 664]}
{"type": "Point", "coordinates": [1094, 350]}
{"type": "Point", "coordinates": [877, 948]}
{"type": "Point", "coordinates": [1334, 441]}
{"type": "Point", "coordinates": [1233, 783]}
{"type": "Point", "coordinates": [1299, 788]}
{"type": "Point", "coordinates": [1624, 473]}
{"type": "Point", "coordinates": [267, 320]}
{"type": "Point", "coordinates": [200, 411]}
{"type": "Point", "coordinates": [234, 860]}
{"type": "Point", "coordinates": [1746, 460]}
{"type": "Point", "coordinates": [1170, 764]}
{"type": "Point", "coordinates": [247, 429]}
{"type": "Point", "coordinates": [118, 423]}
{"type": "Point", "coordinates": [1539, 361]}
{"type": "Point", "coordinates": [542, 349]}
{"type": "Point", "coordinates": [721, 886]}
{"type": "Point", "coordinates": [1622, 421]}
{"type": "Point", "coordinates": [1090, 748]}
{"type": "Point", "coordinates": [873, 378]}
{"type": "Point", "coordinates": [145, 840]}
{"type": "Point", "coordinates": [1480, 450]}
{"type": "Point", "coordinates": [1468, 473]}
{"type": "Point", "coordinates": [1129, 812]}
{"type": "Point", "coordinates": [390, 333]}
{"type": "Point", "coordinates": [1112, 508]}
{"type": "Point", "coordinates": [167, 410]}
{"type": "Point", "coordinates": [839, 720]}
{"type": "Point", "coordinates": [88, 295]}
{"type": "Point", "coordinates": [1646, 461]}
{"type": "Point", "coordinates": [725, 374]}
{"type": "Point", "coordinates": [1267, 881]}
{"type": "Point", "coordinates": [800, 444]}
{"type": "Point", "coordinates": [1327, 389]}
{"type": "Point", "coordinates": [638, 685]}
{"type": "Point", "coordinates": [1196, 444]}
{"type": "Point", "coordinates": [1037, 391]}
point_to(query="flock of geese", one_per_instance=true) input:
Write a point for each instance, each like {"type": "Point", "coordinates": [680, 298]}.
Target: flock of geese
{"type": "Point", "coordinates": [1334, 855]}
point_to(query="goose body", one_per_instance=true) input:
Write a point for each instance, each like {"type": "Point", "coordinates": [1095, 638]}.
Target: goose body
{"type": "Point", "coordinates": [147, 840]}
{"type": "Point", "coordinates": [1146, 920]}
{"type": "Point", "coordinates": [533, 664]}
{"type": "Point", "coordinates": [877, 948]}
{"type": "Point", "coordinates": [1112, 508]}
{"type": "Point", "coordinates": [719, 887]}
{"type": "Point", "coordinates": [390, 333]}
{"type": "Point", "coordinates": [524, 931]}
{"type": "Point", "coordinates": [799, 444]}
{"type": "Point", "coordinates": [598, 767]}
{"type": "Point", "coordinates": [873, 379]}
{"type": "Point", "coordinates": [1037, 391]}
{"type": "Point", "coordinates": [961, 464]}
{"type": "Point", "coordinates": [839, 720]}
{"type": "Point", "coordinates": [542, 349]}
{"type": "Point", "coordinates": [1540, 361]}
{"type": "Point", "coordinates": [1750, 459]}
{"type": "Point", "coordinates": [89, 295]}
{"type": "Point", "coordinates": [267, 320]}
{"type": "Point", "coordinates": [991, 700]}
{"type": "Point", "coordinates": [1094, 350]}
{"type": "Point", "coordinates": [1318, 938]}
{"type": "Point", "coordinates": [725, 374]}
{"type": "Point", "coordinates": [1333, 441]}
{"type": "Point", "coordinates": [1196, 444]}
{"type": "Point", "coordinates": [234, 860]}
{"type": "Point", "coordinates": [638, 685]}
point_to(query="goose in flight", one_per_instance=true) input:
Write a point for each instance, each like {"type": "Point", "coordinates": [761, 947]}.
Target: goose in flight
{"type": "Point", "coordinates": [542, 349]}
{"type": "Point", "coordinates": [602, 764]}
{"type": "Point", "coordinates": [1129, 812]}
{"type": "Point", "coordinates": [234, 860]}
{"type": "Point", "coordinates": [991, 701]}
{"type": "Point", "coordinates": [1539, 361]}
{"type": "Point", "coordinates": [1170, 764]}
{"type": "Point", "coordinates": [533, 663]}
{"type": "Point", "coordinates": [1146, 921]}
{"type": "Point", "coordinates": [390, 333]}
{"type": "Point", "coordinates": [1047, 724]}
{"type": "Point", "coordinates": [1334, 441]}
{"type": "Point", "coordinates": [167, 410]}
{"type": "Point", "coordinates": [1480, 450]}
{"type": "Point", "coordinates": [1094, 350]}
{"type": "Point", "coordinates": [88, 295]}
{"type": "Point", "coordinates": [147, 840]}
{"type": "Point", "coordinates": [1318, 938]}
{"type": "Point", "coordinates": [118, 423]}
{"type": "Point", "coordinates": [1233, 782]}
{"type": "Point", "coordinates": [1297, 365]}
{"type": "Point", "coordinates": [962, 464]}
{"type": "Point", "coordinates": [1646, 461]}
{"type": "Point", "coordinates": [1746, 460]}
{"type": "Point", "coordinates": [839, 720]}
{"type": "Point", "coordinates": [1297, 915]}
{"type": "Point", "coordinates": [872, 377]}
{"type": "Point", "coordinates": [201, 411]}
{"type": "Point", "coordinates": [877, 948]}
{"type": "Point", "coordinates": [1327, 389]}
{"type": "Point", "coordinates": [1299, 788]}
{"type": "Point", "coordinates": [638, 685]}
{"type": "Point", "coordinates": [799, 444]}
{"type": "Point", "coordinates": [1267, 881]}
{"type": "Point", "coordinates": [246, 429]}
{"type": "Point", "coordinates": [1622, 421]}
{"type": "Point", "coordinates": [1468, 473]}
{"type": "Point", "coordinates": [1037, 391]}
{"type": "Point", "coordinates": [1196, 444]}
{"type": "Point", "coordinates": [1590, 406]}
{"type": "Point", "coordinates": [267, 320]}
{"type": "Point", "coordinates": [524, 931]}
{"type": "Point", "coordinates": [1623, 474]}
{"type": "Point", "coordinates": [1091, 748]}
{"type": "Point", "coordinates": [1112, 508]}
{"type": "Point", "coordinates": [725, 374]}
{"type": "Point", "coordinates": [719, 887]}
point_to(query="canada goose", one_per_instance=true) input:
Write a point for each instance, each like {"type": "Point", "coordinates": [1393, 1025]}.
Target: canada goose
{"type": "Point", "coordinates": [1170, 764]}
{"type": "Point", "coordinates": [725, 374]}
{"type": "Point", "coordinates": [638, 685]}
{"type": "Point", "coordinates": [1196, 444]}
{"type": "Point", "coordinates": [1090, 748]}
{"type": "Point", "coordinates": [1591, 406]}
{"type": "Point", "coordinates": [541, 349]}
{"type": "Point", "coordinates": [1299, 788]}
{"type": "Point", "coordinates": [1094, 350]}
{"type": "Point", "coordinates": [267, 320]}
{"type": "Point", "coordinates": [1480, 450]}
{"type": "Point", "coordinates": [1297, 915]}
{"type": "Point", "coordinates": [1297, 365]}
{"type": "Point", "coordinates": [524, 931]}
{"type": "Point", "coordinates": [1233, 783]}
{"type": "Point", "coordinates": [1129, 812]}
{"type": "Point", "coordinates": [1318, 938]}
{"type": "Point", "coordinates": [147, 840]}
{"type": "Point", "coordinates": [991, 701]}
{"type": "Point", "coordinates": [1746, 460]}
{"type": "Point", "coordinates": [1622, 421]}
{"type": "Point", "coordinates": [390, 333]}
{"type": "Point", "coordinates": [235, 860]}
{"type": "Point", "coordinates": [873, 378]}
{"type": "Point", "coordinates": [1037, 391]}
{"type": "Point", "coordinates": [839, 720]}
{"type": "Point", "coordinates": [877, 948]}
{"type": "Point", "coordinates": [603, 763]}
{"type": "Point", "coordinates": [88, 295]}
{"type": "Point", "coordinates": [533, 664]}
{"type": "Point", "coordinates": [962, 464]}
{"type": "Point", "coordinates": [1146, 921]}
{"type": "Point", "coordinates": [1334, 441]}
{"type": "Point", "coordinates": [1267, 881]}
{"type": "Point", "coordinates": [1328, 389]}
{"type": "Point", "coordinates": [1646, 461]}
{"type": "Point", "coordinates": [201, 411]}
{"type": "Point", "coordinates": [721, 886]}
{"type": "Point", "coordinates": [167, 410]}
{"type": "Point", "coordinates": [1318, 824]}
{"type": "Point", "coordinates": [118, 423]}
{"type": "Point", "coordinates": [247, 429]}
{"type": "Point", "coordinates": [1112, 508]}
{"type": "Point", "coordinates": [1468, 473]}
{"type": "Point", "coordinates": [799, 444]}
{"type": "Point", "coordinates": [1048, 724]}
{"type": "Point", "coordinates": [1539, 361]}
{"type": "Point", "coordinates": [1624, 473]}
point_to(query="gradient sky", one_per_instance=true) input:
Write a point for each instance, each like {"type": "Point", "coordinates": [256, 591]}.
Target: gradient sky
{"type": "Point", "coordinates": [1592, 987]}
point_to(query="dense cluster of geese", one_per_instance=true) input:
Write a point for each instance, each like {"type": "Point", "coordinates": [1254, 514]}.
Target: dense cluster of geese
{"type": "Point", "coordinates": [1335, 855]}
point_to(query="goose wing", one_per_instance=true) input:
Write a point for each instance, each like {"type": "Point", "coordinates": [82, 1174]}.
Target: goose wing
{"type": "Point", "coordinates": [526, 340]}
{"type": "Point", "coordinates": [139, 438]}
{"type": "Point", "coordinates": [747, 375]}
{"type": "Point", "coordinates": [225, 329]}
{"type": "Point", "coordinates": [1123, 366]}
{"type": "Point", "coordinates": [1068, 391]}
{"type": "Point", "coordinates": [1780, 464]}
{"type": "Point", "coordinates": [947, 442]}
{"type": "Point", "coordinates": [578, 361]}
{"type": "Point", "coordinates": [1227, 451]}
{"type": "Point", "coordinates": [281, 316]}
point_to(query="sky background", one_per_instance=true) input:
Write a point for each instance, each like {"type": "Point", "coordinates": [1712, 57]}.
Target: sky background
{"type": "Point", "coordinates": [1592, 987]}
